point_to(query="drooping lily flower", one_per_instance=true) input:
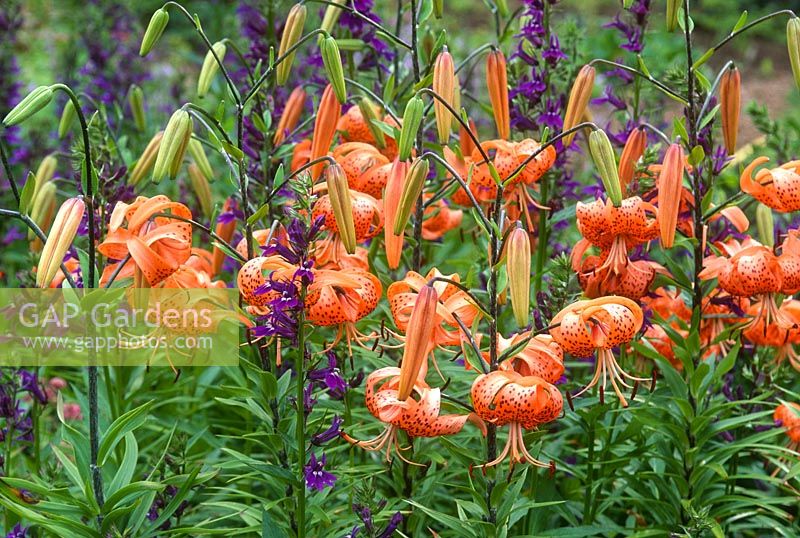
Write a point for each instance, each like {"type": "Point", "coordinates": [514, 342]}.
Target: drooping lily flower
{"type": "Point", "coordinates": [367, 220]}
{"type": "Point", "coordinates": [778, 188]}
{"type": "Point", "coordinates": [788, 413]}
{"type": "Point", "coordinates": [773, 336]}
{"type": "Point", "coordinates": [367, 168]}
{"type": "Point", "coordinates": [599, 325]}
{"type": "Point", "coordinates": [439, 219]}
{"type": "Point", "coordinates": [252, 278]}
{"type": "Point", "coordinates": [354, 128]}
{"type": "Point", "coordinates": [670, 307]}
{"type": "Point", "coordinates": [157, 245]}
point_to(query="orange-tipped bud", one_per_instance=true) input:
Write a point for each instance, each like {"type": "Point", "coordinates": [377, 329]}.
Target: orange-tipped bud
{"type": "Point", "coordinates": [670, 182]}
{"type": "Point", "coordinates": [730, 97]}
{"type": "Point", "coordinates": [291, 115]}
{"type": "Point", "coordinates": [418, 339]}
{"type": "Point", "coordinates": [391, 201]}
{"type": "Point", "coordinates": [465, 141]}
{"type": "Point", "coordinates": [497, 81]}
{"type": "Point", "coordinates": [225, 231]}
{"type": "Point", "coordinates": [342, 205]}
{"type": "Point", "coordinates": [518, 264]}
{"type": "Point", "coordinates": [324, 128]}
{"type": "Point", "coordinates": [292, 32]}
{"type": "Point", "coordinates": [631, 153]}
{"type": "Point", "coordinates": [58, 242]}
{"type": "Point", "coordinates": [578, 100]}
{"type": "Point", "coordinates": [444, 84]}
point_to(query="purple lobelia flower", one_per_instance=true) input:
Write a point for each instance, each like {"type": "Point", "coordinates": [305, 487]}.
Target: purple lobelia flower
{"type": "Point", "coordinates": [315, 474]}
{"type": "Point", "coordinates": [18, 532]}
{"type": "Point", "coordinates": [333, 431]}
{"type": "Point", "coordinates": [330, 377]}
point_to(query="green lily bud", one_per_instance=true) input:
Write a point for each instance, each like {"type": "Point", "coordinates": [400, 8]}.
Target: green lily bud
{"type": "Point", "coordinates": [672, 14]}
{"type": "Point", "coordinates": [292, 32]}
{"type": "Point", "coordinates": [43, 207]}
{"type": "Point", "coordinates": [136, 102]}
{"type": "Point", "coordinates": [412, 190]}
{"type": "Point", "coordinates": [793, 42]}
{"type": "Point", "coordinates": [765, 225]}
{"type": "Point", "coordinates": [333, 67]}
{"type": "Point", "coordinates": [606, 163]}
{"type": "Point", "coordinates": [412, 118]}
{"type": "Point", "coordinates": [145, 162]}
{"type": "Point", "coordinates": [438, 8]}
{"type": "Point", "coordinates": [210, 68]}
{"type": "Point", "coordinates": [173, 145]}
{"type": "Point", "coordinates": [45, 172]}
{"type": "Point", "coordinates": [199, 155]}
{"type": "Point", "coordinates": [33, 103]}
{"type": "Point", "coordinates": [342, 205]}
{"type": "Point", "coordinates": [201, 189]}
{"type": "Point", "coordinates": [367, 109]}
{"type": "Point", "coordinates": [158, 22]}
{"type": "Point", "coordinates": [331, 16]}
{"type": "Point", "coordinates": [67, 117]}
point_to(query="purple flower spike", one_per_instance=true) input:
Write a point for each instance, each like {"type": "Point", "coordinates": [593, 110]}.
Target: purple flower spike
{"type": "Point", "coordinates": [316, 476]}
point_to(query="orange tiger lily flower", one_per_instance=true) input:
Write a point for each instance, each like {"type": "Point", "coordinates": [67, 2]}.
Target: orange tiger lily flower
{"type": "Point", "coordinates": [301, 154]}
{"type": "Point", "coordinates": [391, 203]}
{"type": "Point", "coordinates": [328, 114]}
{"type": "Point", "coordinates": [225, 230]}
{"type": "Point", "coordinates": [778, 188]}
{"type": "Point", "coordinates": [673, 310]}
{"type": "Point", "coordinates": [418, 415]}
{"type": "Point", "coordinates": [788, 413]}
{"type": "Point", "coordinates": [354, 128]}
{"type": "Point", "coordinates": [157, 245]}
{"type": "Point", "coordinates": [332, 255]}
{"type": "Point", "coordinates": [367, 219]}
{"type": "Point", "coordinates": [251, 278]}
{"type": "Point", "coordinates": [194, 273]}
{"type": "Point", "coordinates": [599, 325]}
{"type": "Point", "coordinates": [633, 282]}
{"type": "Point", "coordinates": [774, 336]}
{"type": "Point", "coordinates": [480, 184]}
{"type": "Point", "coordinates": [439, 219]}
{"type": "Point", "coordinates": [291, 115]}
{"type": "Point", "coordinates": [541, 357]}
{"type": "Point", "coordinates": [367, 168]}
{"type": "Point", "coordinates": [260, 238]}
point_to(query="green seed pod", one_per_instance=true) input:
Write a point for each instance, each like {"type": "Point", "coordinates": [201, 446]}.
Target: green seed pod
{"type": "Point", "coordinates": [210, 68]}
{"type": "Point", "coordinates": [201, 189]}
{"type": "Point", "coordinates": [173, 145]}
{"type": "Point", "coordinates": [136, 102]}
{"type": "Point", "coordinates": [606, 163]}
{"type": "Point", "coordinates": [672, 14]}
{"type": "Point", "coordinates": [158, 22]}
{"type": "Point", "coordinates": [145, 162]}
{"type": "Point", "coordinates": [292, 32]}
{"type": "Point", "coordinates": [331, 16]}
{"type": "Point", "coordinates": [765, 225]}
{"type": "Point", "coordinates": [67, 117]}
{"type": "Point", "coordinates": [333, 67]}
{"type": "Point", "coordinates": [793, 42]}
{"type": "Point", "coordinates": [412, 118]}
{"type": "Point", "coordinates": [438, 8]}
{"type": "Point", "coordinates": [33, 103]}
{"type": "Point", "coordinates": [367, 109]}
{"type": "Point", "coordinates": [518, 265]}
{"type": "Point", "coordinates": [199, 155]}
{"type": "Point", "coordinates": [412, 190]}
{"type": "Point", "coordinates": [342, 205]}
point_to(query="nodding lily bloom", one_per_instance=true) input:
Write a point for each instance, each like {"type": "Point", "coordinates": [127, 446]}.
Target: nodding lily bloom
{"type": "Point", "coordinates": [367, 219]}
{"type": "Point", "coordinates": [599, 325]}
{"type": "Point", "coordinates": [260, 240]}
{"type": "Point", "coordinates": [419, 414]}
{"type": "Point", "coordinates": [439, 219]}
{"type": "Point", "coordinates": [301, 154]}
{"type": "Point", "coordinates": [670, 306]}
{"type": "Point", "coordinates": [632, 283]}
{"type": "Point", "coordinates": [328, 114]}
{"type": "Point", "coordinates": [251, 279]}
{"type": "Point", "coordinates": [749, 269]}
{"type": "Point", "coordinates": [157, 245]}
{"type": "Point", "coordinates": [615, 230]}
{"type": "Point", "coordinates": [195, 273]}
{"type": "Point", "coordinates": [481, 185]}
{"type": "Point", "coordinates": [342, 297]}
{"type": "Point", "coordinates": [354, 128]}
{"type": "Point", "coordinates": [788, 413]}
{"type": "Point", "coordinates": [521, 393]}
{"type": "Point", "coordinates": [225, 228]}
{"type": "Point", "coordinates": [332, 255]}
{"type": "Point", "coordinates": [367, 168]}
{"type": "Point", "coordinates": [778, 188]}
{"type": "Point", "coordinates": [773, 336]}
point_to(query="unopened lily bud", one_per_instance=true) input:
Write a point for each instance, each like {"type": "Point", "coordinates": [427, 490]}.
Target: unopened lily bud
{"type": "Point", "coordinates": [578, 100]}
{"type": "Point", "coordinates": [793, 43]}
{"type": "Point", "coordinates": [350, 45]}
{"type": "Point", "coordinates": [201, 160]}
{"type": "Point", "coordinates": [670, 181]}
{"type": "Point", "coordinates": [59, 240]}
{"type": "Point", "coordinates": [412, 190]}
{"type": "Point", "coordinates": [201, 189]}
{"type": "Point", "coordinates": [497, 81]}
{"type": "Point", "coordinates": [45, 172]}
{"type": "Point", "coordinates": [418, 339]}
{"type": "Point", "coordinates": [412, 118]}
{"type": "Point", "coordinates": [173, 145]}
{"type": "Point", "coordinates": [391, 202]}
{"type": "Point", "coordinates": [158, 22]}
{"type": "Point", "coordinates": [765, 225]}
{"type": "Point", "coordinates": [465, 141]}
{"type": "Point", "coordinates": [606, 163]}
{"type": "Point", "coordinates": [146, 160]}
{"type": "Point", "coordinates": [331, 17]}
{"type": "Point", "coordinates": [43, 208]}
{"type": "Point", "coordinates": [730, 93]}
{"type": "Point", "coordinates": [292, 32]}
{"type": "Point", "coordinates": [210, 68]}
{"type": "Point", "coordinates": [367, 109]}
{"type": "Point", "coordinates": [518, 264]}
{"type": "Point", "coordinates": [444, 75]}
{"type": "Point", "coordinates": [342, 205]}
{"type": "Point", "coordinates": [332, 60]}
{"type": "Point", "coordinates": [136, 102]}
{"type": "Point", "coordinates": [438, 8]}
{"type": "Point", "coordinates": [67, 117]}
{"type": "Point", "coordinates": [328, 114]}
{"type": "Point", "coordinates": [672, 14]}
{"type": "Point", "coordinates": [631, 153]}
{"type": "Point", "coordinates": [291, 115]}
{"type": "Point", "coordinates": [33, 103]}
